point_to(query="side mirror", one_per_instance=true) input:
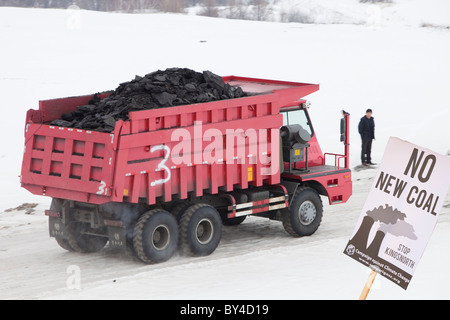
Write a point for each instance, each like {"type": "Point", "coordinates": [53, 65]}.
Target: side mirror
{"type": "Point", "coordinates": [343, 130]}
{"type": "Point", "coordinates": [345, 136]}
{"type": "Point", "coordinates": [344, 126]}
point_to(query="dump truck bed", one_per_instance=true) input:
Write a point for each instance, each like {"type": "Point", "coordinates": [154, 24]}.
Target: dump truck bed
{"type": "Point", "coordinates": [164, 154]}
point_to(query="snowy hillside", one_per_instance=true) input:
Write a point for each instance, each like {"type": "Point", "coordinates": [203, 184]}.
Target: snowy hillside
{"type": "Point", "coordinates": [399, 12]}
{"type": "Point", "coordinates": [393, 65]}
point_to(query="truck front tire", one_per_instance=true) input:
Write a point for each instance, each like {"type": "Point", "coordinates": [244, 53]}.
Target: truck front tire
{"type": "Point", "coordinates": [155, 236]}
{"type": "Point", "coordinates": [200, 230]}
{"type": "Point", "coordinates": [304, 215]}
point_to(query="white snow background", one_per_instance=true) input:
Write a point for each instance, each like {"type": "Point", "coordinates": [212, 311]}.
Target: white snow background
{"type": "Point", "coordinates": [363, 55]}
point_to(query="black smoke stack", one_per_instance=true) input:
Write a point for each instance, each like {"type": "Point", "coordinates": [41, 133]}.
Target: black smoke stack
{"type": "Point", "coordinates": [362, 235]}
{"type": "Point", "coordinates": [375, 246]}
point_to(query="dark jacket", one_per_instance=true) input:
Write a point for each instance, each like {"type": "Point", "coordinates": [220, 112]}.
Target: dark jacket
{"type": "Point", "coordinates": [366, 128]}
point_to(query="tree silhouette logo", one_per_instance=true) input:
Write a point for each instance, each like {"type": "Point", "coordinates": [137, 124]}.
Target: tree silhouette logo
{"type": "Point", "coordinates": [390, 221]}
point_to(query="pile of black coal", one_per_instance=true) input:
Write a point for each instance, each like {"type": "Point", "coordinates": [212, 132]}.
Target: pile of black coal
{"type": "Point", "coordinates": [159, 89]}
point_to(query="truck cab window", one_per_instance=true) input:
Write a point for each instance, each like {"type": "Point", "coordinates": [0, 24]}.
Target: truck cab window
{"type": "Point", "coordinates": [298, 117]}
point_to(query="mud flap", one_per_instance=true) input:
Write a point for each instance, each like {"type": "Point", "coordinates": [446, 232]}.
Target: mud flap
{"type": "Point", "coordinates": [57, 228]}
{"type": "Point", "coordinates": [117, 237]}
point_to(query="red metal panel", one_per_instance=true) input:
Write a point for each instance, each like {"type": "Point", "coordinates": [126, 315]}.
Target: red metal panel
{"type": "Point", "coordinates": [141, 159]}
{"type": "Point", "coordinates": [135, 190]}
{"type": "Point", "coordinates": [244, 176]}
{"type": "Point", "coordinates": [230, 180]}
{"type": "Point", "coordinates": [48, 150]}
{"type": "Point", "coordinates": [65, 159]}
{"type": "Point", "coordinates": [87, 157]}
{"type": "Point", "coordinates": [198, 180]}
{"type": "Point", "coordinates": [214, 178]}
{"type": "Point", "coordinates": [167, 192]}
{"type": "Point", "coordinates": [288, 91]}
{"type": "Point", "coordinates": [68, 150]}
{"type": "Point", "coordinates": [183, 183]}
{"type": "Point", "coordinates": [50, 110]}
{"type": "Point", "coordinates": [151, 190]}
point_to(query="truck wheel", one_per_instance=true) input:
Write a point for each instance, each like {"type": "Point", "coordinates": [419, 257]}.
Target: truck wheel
{"type": "Point", "coordinates": [200, 230]}
{"type": "Point", "coordinates": [64, 243]}
{"type": "Point", "coordinates": [155, 237]}
{"type": "Point", "coordinates": [179, 209]}
{"type": "Point", "coordinates": [304, 215]}
{"type": "Point", "coordinates": [81, 240]}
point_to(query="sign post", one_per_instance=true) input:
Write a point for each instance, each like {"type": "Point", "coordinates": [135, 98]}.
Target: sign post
{"type": "Point", "coordinates": [368, 285]}
{"type": "Point", "coordinates": [400, 212]}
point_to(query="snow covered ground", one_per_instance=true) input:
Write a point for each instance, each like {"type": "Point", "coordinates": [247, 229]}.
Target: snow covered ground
{"type": "Point", "coordinates": [398, 68]}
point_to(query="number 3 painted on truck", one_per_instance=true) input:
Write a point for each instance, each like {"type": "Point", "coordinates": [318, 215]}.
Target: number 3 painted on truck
{"type": "Point", "coordinates": [102, 190]}
{"type": "Point", "coordinates": [162, 164]}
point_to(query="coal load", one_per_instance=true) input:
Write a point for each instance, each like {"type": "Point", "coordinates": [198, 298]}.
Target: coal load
{"type": "Point", "coordinates": [159, 89]}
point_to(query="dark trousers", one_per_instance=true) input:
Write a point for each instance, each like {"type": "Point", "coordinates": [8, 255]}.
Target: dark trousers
{"type": "Point", "coordinates": [366, 150]}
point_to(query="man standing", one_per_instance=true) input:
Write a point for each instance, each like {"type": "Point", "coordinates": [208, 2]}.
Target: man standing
{"type": "Point", "coordinates": [367, 131]}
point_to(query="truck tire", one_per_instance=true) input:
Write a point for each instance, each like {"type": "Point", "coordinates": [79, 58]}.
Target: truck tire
{"type": "Point", "coordinates": [179, 209]}
{"type": "Point", "coordinates": [200, 230]}
{"type": "Point", "coordinates": [155, 236]}
{"type": "Point", "coordinates": [81, 241]}
{"type": "Point", "coordinates": [64, 243]}
{"type": "Point", "coordinates": [57, 205]}
{"type": "Point", "coordinates": [304, 215]}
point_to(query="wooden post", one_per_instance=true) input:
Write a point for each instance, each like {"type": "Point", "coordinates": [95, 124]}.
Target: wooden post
{"type": "Point", "coordinates": [368, 285]}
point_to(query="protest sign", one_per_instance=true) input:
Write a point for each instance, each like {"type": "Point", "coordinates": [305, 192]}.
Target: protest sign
{"type": "Point", "coordinates": [401, 211]}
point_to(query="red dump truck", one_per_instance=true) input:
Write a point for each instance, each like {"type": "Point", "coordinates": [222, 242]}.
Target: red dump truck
{"type": "Point", "coordinates": [168, 179]}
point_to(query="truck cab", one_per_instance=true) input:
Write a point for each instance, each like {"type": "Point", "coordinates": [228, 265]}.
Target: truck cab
{"type": "Point", "coordinates": [329, 174]}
